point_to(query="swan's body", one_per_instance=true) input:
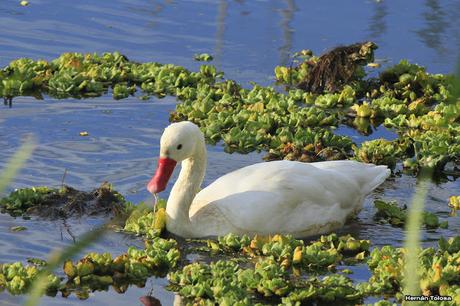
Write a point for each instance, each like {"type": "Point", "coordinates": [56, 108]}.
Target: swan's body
{"type": "Point", "coordinates": [265, 198]}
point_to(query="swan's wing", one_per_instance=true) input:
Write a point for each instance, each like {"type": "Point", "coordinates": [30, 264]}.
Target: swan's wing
{"type": "Point", "coordinates": [281, 195]}
{"type": "Point", "coordinates": [367, 176]}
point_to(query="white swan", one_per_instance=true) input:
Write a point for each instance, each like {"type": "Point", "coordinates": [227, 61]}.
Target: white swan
{"type": "Point", "coordinates": [272, 197]}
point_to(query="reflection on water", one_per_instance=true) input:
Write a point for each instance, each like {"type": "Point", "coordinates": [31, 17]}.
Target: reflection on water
{"type": "Point", "coordinates": [220, 32]}
{"type": "Point", "coordinates": [433, 34]}
{"type": "Point", "coordinates": [378, 23]}
{"type": "Point", "coordinates": [156, 9]}
{"type": "Point", "coordinates": [287, 16]}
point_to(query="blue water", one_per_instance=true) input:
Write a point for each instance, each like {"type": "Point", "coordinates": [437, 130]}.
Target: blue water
{"type": "Point", "coordinates": [247, 39]}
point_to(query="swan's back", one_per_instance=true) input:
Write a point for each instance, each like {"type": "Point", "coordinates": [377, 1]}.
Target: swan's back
{"type": "Point", "coordinates": [285, 197]}
{"type": "Point", "coordinates": [368, 176]}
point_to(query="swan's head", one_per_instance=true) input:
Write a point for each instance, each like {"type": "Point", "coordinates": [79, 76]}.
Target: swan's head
{"type": "Point", "coordinates": [178, 142]}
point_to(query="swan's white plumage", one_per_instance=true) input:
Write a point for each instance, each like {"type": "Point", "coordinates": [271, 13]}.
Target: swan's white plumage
{"type": "Point", "coordinates": [285, 197]}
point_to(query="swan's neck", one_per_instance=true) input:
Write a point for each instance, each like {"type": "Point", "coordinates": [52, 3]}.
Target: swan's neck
{"type": "Point", "coordinates": [183, 192]}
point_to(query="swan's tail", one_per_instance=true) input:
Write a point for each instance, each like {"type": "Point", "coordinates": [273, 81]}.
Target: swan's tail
{"type": "Point", "coordinates": [368, 176]}
{"type": "Point", "coordinates": [373, 176]}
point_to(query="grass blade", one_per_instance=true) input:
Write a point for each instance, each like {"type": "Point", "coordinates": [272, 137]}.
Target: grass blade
{"type": "Point", "coordinates": [15, 163]}
{"type": "Point", "coordinates": [413, 233]}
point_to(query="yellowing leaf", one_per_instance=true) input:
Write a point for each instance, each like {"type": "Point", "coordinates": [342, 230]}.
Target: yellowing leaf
{"type": "Point", "coordinates": [297, 257]}
{"type": "Point", "coordinates": [160, 219]}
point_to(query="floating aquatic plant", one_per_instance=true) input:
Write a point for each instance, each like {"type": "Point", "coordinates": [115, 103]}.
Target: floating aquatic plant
{"type": "Point", "coordinates": [99, 271]}
{"type": "Point", "coordinates": [379, 152]}
{"type": "Point", "coordinates": [203, 57]}
{"type": "Point", "coordinates": [64, 202]}
{"type": "Point", "coordinates": [436, 271]}
{"type": "Point", "coordinates": [17, 278]}
{"type": "Point", "coordinates": [226, 283]}
{"type": "Point", "coordinates": [320, 255]}
{"type": "Point", "coordinates": [295, 125]}
{"type": "Point", "coordinates": [279, 268]}
{"type": "Point", "coordinates": [396, 215]}
{"type": "Point", "coordinates": [146, 221]}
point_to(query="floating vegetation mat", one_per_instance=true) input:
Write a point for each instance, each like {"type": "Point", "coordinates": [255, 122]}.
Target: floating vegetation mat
{"type": "Point", "coordinates": [321, 94]}
{"type": "Point", "coordinates": [243, 270]}
{"type": "Point", "coordinates": [296, 120]}
{"type": "Point", "coordinates": [395, 215]}
{"type": "Point", "coordinates": [52, 203]}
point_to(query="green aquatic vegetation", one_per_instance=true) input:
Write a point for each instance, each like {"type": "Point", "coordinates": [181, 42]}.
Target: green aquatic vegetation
{"type": "Point", "coordinates": [387, 106]}
{"type": "Point", "coordinates": [146, 221]}
{"type": "Point", "coordinates": [218, 283]}
{"type": "Point", "coordinates": [363, 110]}
{"type": "Point", "coordinates": [22, 199]}
{"type": "Point", "coordinates": [230, 243]}
{"type": "Point", "coordinates": [327, 101]}
{"type": "Point", "coordinates": [331, 288]}
{"type": "Point", "coordinates": [392, 213]}
{"type": "Point", "coordinates": [203, 57]}
{"type": "Point", "coordinates": [432, 145]}
{"type": "Point", "coordinates": [256, 119]}
{"type": "Point", "coordinates": [379, 152]}
{"type": "Point", "coordinates": [287, 251]}
{"type": "Point", "coordinates": [437, 269]}
{"type": "Point", "coordinates": [277, 269]}
{"type": "Point", "coordinates": [23, 75]}
{"type": "Point", "coordinates": [293, 125]}
{"type": "Point", "coordinates": [98, 271]}
{"type": "Point", "coordinates": [17, 278]}
{"type": "Point", "coordinates": [267, 278]}
{"type": "Point", "coordinates": [86, 75]}
{"type": "Point", "coordinates": [226, 283]}
{"type": "Point", "coordinates": [337, 100]}
{"type": "Point", "coordinates": [451, 245]}
{"type": "Point", "coordinates": [293, 76]}
{"type": "Point", "coordinates": [386, 265]}
{"type": "Point", "coordinates": [433, 149]}
{"type": "Point", "coordinates": [64, 202]}
{"type": "Point", "coordinates": [309, 145]}
{"type": "Point", "coordinates": [121, 91]}
{"type": "Point", "coordinates": [408, 81]}
{"type": "Point", "coordinates": [443, 116]}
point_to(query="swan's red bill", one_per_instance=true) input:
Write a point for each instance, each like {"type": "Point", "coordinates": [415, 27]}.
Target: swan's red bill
{"type": "Point", "coordinates": [164, 171]}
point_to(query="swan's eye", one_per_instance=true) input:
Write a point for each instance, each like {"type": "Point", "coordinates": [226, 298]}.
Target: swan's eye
{"type": "Point", "coordinates": [179, 147]}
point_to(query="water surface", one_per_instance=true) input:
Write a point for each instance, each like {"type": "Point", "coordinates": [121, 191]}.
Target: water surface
{"type": "Point", "coordinates": [248, 39]}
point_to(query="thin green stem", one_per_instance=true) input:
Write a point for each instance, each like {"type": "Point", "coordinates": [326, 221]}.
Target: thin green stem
{"type": "Point", "coordinates": [413, 233]}
{"type": "Point", "coordinates": [15, 163]}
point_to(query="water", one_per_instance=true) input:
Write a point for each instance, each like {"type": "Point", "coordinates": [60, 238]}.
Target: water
{"type": "Point", "coordinates": [248, 39]}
